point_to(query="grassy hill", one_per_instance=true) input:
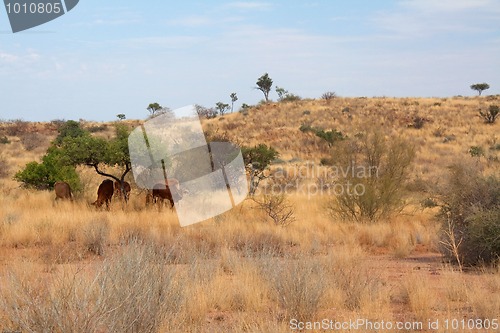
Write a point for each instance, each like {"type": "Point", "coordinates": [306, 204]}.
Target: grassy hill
{"type": "Point", "coordinates": [70, 267]}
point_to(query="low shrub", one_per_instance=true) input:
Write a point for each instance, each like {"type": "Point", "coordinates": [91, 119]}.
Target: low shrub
{"type": "Point", "coordinates": [373, 171]}
{"type": "Point", "coordinates": [31, 141]}
{"type": "Point", "coordinates": [329, 95]}
{"type": "Point", "coordinates": [470, 212]}
{"type": "Point", "coordinates": [4, 140]}
{"type": "Point", "coordinates": [491, 114]}
{"type": "Point", "coordinates": [297, 285]}
{"type": "Point", "coordinates": [4, 167]}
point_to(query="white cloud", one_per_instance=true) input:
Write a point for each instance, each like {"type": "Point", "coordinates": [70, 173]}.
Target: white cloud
{"type": "Point", "coordinates": [249, 5]}
{"type": "Point", "coordinates": [191, 21]}
{"type": "Point", "coordinates": [435, 6]}
{"type": "Point", "coordinates": [111, 17]}
{"type": "Point", "coordinates": [425, 18]}
{"type": "Point", "coordinates": [8, 58]}
{"type": "Point", "coordinates": [28, 57]}
{"type": "Point", "coordinates": [161, 42]}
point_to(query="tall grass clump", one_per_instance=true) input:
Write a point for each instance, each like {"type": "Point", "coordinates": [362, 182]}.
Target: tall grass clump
{"type": "Point", "coordinates": [129, 292]}
{"type": "Point", "coordinates": [297, 285]}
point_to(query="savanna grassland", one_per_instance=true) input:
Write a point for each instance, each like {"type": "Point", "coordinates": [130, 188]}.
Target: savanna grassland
{"type": "Point", "coordinates": [69, 267]}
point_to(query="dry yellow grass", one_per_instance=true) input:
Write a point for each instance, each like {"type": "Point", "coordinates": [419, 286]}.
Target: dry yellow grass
{"type": "Point", "coordinates": [72, 267]}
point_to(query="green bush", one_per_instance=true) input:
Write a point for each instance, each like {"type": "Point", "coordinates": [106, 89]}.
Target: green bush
{"type": "Point", "coordinates": [4, 140]}
{"type": "Point", "coordinates": [484, 229]}
{"type": "Point", "coordinates": [470, 210]}
{"type": "Point", "coordinates": [476, 151]}
{"type": "Point", "coordinates": [491, 115]}
{"type": "Point", "coordinates": [306, 128]}
{"type": "Point", "coordinates": [71, 129]}
{"type": "Point", "coordinates": [373, 171]}
{"type": "Point", "coordinates": [257, 159]}
{"type": "Point", "coordinates": [330, 136]}
{"type": "Point", "coordinates": [44, 175]}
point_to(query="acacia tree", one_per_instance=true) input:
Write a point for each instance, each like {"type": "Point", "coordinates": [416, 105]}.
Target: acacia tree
{"type": "Point", "coordinates": [202, 111]}
{"type": "Point", "coordinates": [234, 98]}
{"type": "Point", "coordinates": [264, 84]}
{"type": "Point", "coordinates": [222, 108]}
{"type": "Point", "coordinates": [97, 152]}
{"type": "Point", "coordinates": [257, 160]}
{"type": "Point", "coordinates": [156, 109]}
{"type": "Point", "coordinates": [479, 87]}
{"type": "Point", "coordinates": [282, 93]}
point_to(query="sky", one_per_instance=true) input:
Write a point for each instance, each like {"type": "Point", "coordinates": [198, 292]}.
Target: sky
{"type": "Point", "coordinates": [109, 57]}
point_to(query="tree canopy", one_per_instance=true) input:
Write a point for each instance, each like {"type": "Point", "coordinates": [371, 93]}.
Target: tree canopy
{"type": "Point", "coordinates": [74, 147]}
{"type": "Point", "coordinates": [97, 152]}
{"type": "Point", "coordinates": [479, 87]}
{"type": "Point", "coordinates": [264, 84]}
{"type": "Point", "coordinates": [257, 160]}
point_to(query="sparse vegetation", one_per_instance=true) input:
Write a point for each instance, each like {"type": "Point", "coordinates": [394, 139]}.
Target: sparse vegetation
{"type": "Point", "coordinates": [204, 112]}
{"type": "Point", "coordinates": [17, 127]}
{"type": "Point", "coordinates": [329, 95]}
{"type": "Point", "coordinates": [31, 141]}
{"type": "Point", "coordinates": [66, 267]}
{"type": "Point", "coordinates": [277, 208]}
{"type": "Point", "coordinates": [285, 96]}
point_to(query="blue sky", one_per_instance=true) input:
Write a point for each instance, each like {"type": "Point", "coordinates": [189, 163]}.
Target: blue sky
{"type": "Point", "coordinates": [109, 57]}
